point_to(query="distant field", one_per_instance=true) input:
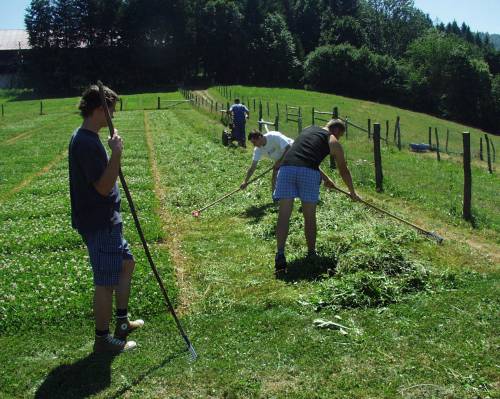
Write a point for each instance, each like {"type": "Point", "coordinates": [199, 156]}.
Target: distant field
{"type": "Point", "coordinates": [420, 320]}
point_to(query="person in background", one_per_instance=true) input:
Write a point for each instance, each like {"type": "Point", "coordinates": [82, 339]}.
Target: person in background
{"type": "Point", "coordinates": [240, 114]}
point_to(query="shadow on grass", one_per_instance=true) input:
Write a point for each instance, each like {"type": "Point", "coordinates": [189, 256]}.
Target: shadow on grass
{"type": "Point", "coordinates": [258, 212]}
{"type": "Point", "coordinates": [89, 376]}
{"type": "Point", "coordinates": [309, 268]}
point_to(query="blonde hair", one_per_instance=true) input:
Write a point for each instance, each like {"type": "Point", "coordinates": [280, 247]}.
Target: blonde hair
{"type": "Point", "coordinates": [336, 123]}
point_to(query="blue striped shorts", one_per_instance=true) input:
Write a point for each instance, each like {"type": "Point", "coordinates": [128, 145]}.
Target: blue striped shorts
{"type": "Point", "coordinates": [297, 181]}
{"type": "Point", "coordinates": [107, 251]}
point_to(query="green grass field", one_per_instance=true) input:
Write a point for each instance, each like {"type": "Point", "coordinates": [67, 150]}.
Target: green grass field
{"type": "Point", "coordinates": [421, 320]}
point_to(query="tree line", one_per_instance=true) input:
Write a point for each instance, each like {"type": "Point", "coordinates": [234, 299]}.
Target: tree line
{"type": "Point", "coordinates": [382, 50]}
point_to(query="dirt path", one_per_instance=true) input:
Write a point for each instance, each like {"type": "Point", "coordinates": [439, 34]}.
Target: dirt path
{"type": "Point", "coordinates": [173, 229]}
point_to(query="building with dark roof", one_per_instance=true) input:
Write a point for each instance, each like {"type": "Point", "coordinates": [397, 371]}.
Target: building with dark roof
{"type": "Point", "coordinates": [13, 43]}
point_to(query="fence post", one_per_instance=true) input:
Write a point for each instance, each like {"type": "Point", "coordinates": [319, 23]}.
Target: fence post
{"type": "Point", "coordinates": [260, 110]}
{"type": "Point", "coordinates": [369, 128]}
{"type": "Point", "coordinates": [254, 105]}
{"type": "Point", "coordinates": [399, 136]}
{"type": "Point", "coordinates": [335, 112]}
{"type": "Point", "coordinates": [488, 153]}
{"type": "Point", "coordinates": [481, 149]}
{"type": "Point", "coordinates": [286, 112]}
{"type": "Point", "coordinates": [312, 119]}
{"type": "Point", "coordinates": [158, 102]}
{"type": "Point", "coordinates": [377, 157]}
{"type": "Point", "coordinates": [299, 124]}
{"type": "Point", "coordinates": [276, 122]}
{"type": "Point", "coordinates": [268, 109]}
{"type": "Point", "coordinates": [41, 108]}
{"type": "Point", "coordinates": [447, 138]}
{"type": "Point", "coordinates": [396, 129]}
{"type": "Point", "coordinates": [430, 137]}
{"type": "Point", "coordinates": [493, 149]}
{"type": "Point", "coordinates": [387, 132]}
{"type": "Point", "coordinates": [121, 105]}
{"type": "Point", "coordinates": [467, 209]}
{"type": "Point", "coordinates": [277, 110]}
{"type": "Point", "coordinates": [346, 126]}
{"type": "Point", "coordinates": [437, 144]}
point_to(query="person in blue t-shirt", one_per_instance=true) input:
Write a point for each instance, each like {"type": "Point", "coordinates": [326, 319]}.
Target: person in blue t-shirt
{"type": "Point", "coordinates": [240, 115]}
{"type": "Point", "coordinates": [95, 214]}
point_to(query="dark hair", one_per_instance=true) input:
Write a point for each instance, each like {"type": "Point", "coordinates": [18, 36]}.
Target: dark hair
{"type": "Point", "coordinates": [91, 100]}
{"type": "Point", "coordinates": [236, 100]}
{"type": "Point", "coordinates": [254, 134]}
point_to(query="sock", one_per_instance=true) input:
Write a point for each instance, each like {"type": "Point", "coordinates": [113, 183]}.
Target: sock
{"type": "Point", "coordinates": [101, 333]}
{"type": "Point", "coordinates": [121, 313]}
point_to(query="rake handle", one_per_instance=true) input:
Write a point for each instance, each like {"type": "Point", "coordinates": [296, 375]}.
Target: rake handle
{"type": "Point", "coordinates": [423, 231]}
{"type": "Point", "coordinates": [235, 191]}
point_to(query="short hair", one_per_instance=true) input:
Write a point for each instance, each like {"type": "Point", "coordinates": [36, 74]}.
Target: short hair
{"type": "Point", "coordinates": [91, 100]}
{"type": "Point", "coordinates": [336, 123]}
{"type": "Point", "coordinates": [254, 134]}
{"type": "Point", "coordinates": [237, 100]}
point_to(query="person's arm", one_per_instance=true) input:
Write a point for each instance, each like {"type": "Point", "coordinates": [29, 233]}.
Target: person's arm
{"type": "Point", "coordinates": [108, 178]}
{"type": "Point", "coordinates": [338, 153]}
{"type": "Point", "coordinates": [250, 171]}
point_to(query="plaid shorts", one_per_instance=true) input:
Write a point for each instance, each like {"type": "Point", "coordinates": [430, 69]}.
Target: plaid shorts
{"type": "Point", "coordinates": [297, 181]}
{"type": "Point", "coordinates": [107, 251]}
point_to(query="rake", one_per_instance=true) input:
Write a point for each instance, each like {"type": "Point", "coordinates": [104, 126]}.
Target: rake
{"type": "Point", "coordinates": [430, 234]}
{"type": "Point", "coordinates": [139, 230]}
{"type": "Point", "coordinates": [197, 213]}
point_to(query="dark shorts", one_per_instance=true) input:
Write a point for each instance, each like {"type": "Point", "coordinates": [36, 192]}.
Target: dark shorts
{"type": "Point", "coordinates": [107, 251]}
{"type": "Point", "coordinates": [297, 181]}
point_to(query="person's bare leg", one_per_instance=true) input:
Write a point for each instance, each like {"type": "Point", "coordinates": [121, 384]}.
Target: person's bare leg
{"type": "Point", "coordinates": [285, 210]}
{"type": "Point", "coordinates": [103, 306]}
{"type": "Point", "coordinates": [309, 211]}
{"type": "Point", "coordinates": [123, 287]}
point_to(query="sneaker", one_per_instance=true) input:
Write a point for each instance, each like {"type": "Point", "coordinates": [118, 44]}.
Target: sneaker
{"type": "Point", "coordinates": [109, 344]}
{"type": "Point", "coordinates": [279, 264]}
{"type": "Point", "coordinates": [124, 327]}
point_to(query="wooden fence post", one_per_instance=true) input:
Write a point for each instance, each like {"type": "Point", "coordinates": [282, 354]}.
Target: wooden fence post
{"type": "Point", "coordinates": [158, 102]}
{"type": "Point", "coordinates": [260, 110]}
{"type": "Point", "coordinates": [488, 153]}
{"type": "Point", "coordinates": [41, 108]}
{"type": "Point", "coordinates": [447, 138]}
{"type": "Point", "coordinates": [387, 132]}
{"type": "Point", "coordinates": [467, 209]}
{"type": "Point", "coordinates": [396, 129]}
{"type": "Point", "coordinates": [377, 157]}
{"type": "Point", "coordinates": [369, 128]}
{"type": "Point", "coordinates": [335, 112]}
{"type": "Point", "coordinates": [254, 108]}
{"type": "Point", "coordinates": [430, 137]}
{"type": "Point", "coordinates": [399, 136]}
{"type": "Point", "coordinates": [312, 118]}
{"type": "Point", "coordinates": [437, 144]}
{"type": "Point", "coordinates": [481, 148]}
{"type": "Point", "coordinates": [286, 112]}
{"type": "Point", "coordinates": [277, 110]}
{"type": "Point", "coordinates": [493, 149]}
{"type": "Point", "coordinates": [268, 109]}
{"type": "Point", "coordinates": [121, 104]}
{"type": "Point", "coordinates": [276, 122]}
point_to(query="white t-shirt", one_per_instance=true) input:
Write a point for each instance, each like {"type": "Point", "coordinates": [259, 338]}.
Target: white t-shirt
{"type": "Point", "coordinates": [274, 148]}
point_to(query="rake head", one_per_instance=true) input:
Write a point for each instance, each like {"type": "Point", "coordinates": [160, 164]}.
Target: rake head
{"type": "Point", "coordinates": [196, 214]}
{"type": "Point", "coordinates": [436, 237]}
{"type": "Point", "coordinates": [192, 352]}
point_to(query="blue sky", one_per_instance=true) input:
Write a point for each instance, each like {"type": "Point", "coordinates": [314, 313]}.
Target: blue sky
{"type": "Point", "coordinates": [480, 15]}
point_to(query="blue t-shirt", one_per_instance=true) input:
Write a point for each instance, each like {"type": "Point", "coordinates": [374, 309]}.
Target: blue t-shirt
{"type": "Point", "coordinates": [238, 111]}
{"type": "Point", "coordinates": [90, 211]}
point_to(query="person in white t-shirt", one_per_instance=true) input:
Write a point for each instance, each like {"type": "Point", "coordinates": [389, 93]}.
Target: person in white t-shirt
{"type": "Point", "coordinates": [273, 145]}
